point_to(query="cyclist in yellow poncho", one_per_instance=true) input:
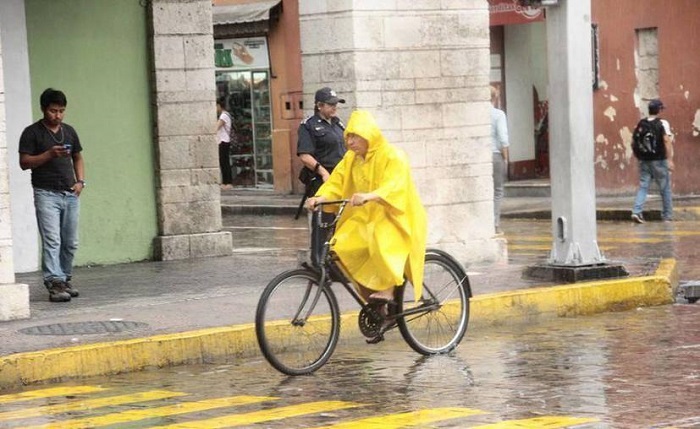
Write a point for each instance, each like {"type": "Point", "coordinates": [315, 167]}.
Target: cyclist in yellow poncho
{"type": "Point", "coordinates": [381, 235]}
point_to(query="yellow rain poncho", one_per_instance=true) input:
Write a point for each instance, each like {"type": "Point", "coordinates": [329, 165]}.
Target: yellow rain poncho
{"type": "Point", "coordinates": [381, 241]}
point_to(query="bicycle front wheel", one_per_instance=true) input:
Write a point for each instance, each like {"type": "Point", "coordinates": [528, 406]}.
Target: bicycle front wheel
{"type": "Point", "coordinates": [441, 324]}
{"type": "Point", "coordinates": [296, 323]}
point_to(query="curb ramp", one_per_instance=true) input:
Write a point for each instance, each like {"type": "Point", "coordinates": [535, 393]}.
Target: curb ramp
{"type": "Point", "coordinates": [239, 341]}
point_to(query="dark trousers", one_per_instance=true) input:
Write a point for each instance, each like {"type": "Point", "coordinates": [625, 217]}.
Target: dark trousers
{"type": "Point", "coordinates": [225, 163]}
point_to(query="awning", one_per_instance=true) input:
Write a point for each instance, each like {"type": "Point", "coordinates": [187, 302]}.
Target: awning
{"type": "Point", "coordinates": [243, 13]}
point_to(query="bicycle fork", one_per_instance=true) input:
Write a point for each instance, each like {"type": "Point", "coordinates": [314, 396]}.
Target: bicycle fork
{"type": "Point", "coordinates": [296, 321]}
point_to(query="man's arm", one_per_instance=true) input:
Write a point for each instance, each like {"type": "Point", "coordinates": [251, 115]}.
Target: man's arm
{"type": "Point", "coordinates": [504, 153]}
{"type": "Point", "coordinates": [668, 143]}
{"type": "Point", "coordinates": [27, 161]}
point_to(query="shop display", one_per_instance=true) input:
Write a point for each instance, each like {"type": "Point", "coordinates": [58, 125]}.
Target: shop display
{"type": "Point", "coordinates": [248, 100]}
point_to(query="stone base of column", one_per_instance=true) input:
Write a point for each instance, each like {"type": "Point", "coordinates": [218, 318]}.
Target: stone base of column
{"type": "Point", "coordinates": [173, 247]}
{"type": "Point", "coordinates": [573, 274]}
{"type": "Point", "coordinates": [15, 301]}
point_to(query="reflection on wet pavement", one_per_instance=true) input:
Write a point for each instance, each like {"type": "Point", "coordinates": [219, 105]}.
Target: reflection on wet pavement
{"type": "Point", "coordinates": [636, 369]}
{"type": "Point", "coordinates": [637, 247]}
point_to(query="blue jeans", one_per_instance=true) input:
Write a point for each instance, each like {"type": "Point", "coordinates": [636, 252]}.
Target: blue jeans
{"type": "Point", "coordinates": [57, 218]}
{"type": "Point", "coordinates": [658, 170]}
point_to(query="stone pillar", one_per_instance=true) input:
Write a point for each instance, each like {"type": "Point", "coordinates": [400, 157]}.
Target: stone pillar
{"type": "Point", "coordinates": [422, 68]}
{"type": "Point", "coordinates": [187, 172]}
{"type": "Point", "coordinates": [14, 298]}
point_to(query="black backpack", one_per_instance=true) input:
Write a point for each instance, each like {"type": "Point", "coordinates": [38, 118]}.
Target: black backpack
{"type": "Point", "coordinates": [648, 139]}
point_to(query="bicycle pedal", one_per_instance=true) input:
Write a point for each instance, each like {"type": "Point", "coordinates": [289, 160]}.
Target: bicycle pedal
{"type": "Point", "coordinates": [376, 339]}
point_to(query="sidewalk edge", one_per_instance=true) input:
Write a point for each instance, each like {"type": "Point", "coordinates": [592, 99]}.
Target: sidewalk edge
{"type": "Point", "coordinates": [497, 309]}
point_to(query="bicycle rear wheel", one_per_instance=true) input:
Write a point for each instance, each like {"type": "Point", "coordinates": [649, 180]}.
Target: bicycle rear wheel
{"type": "Point", "coordinates": [446, 291]}
{"type": "Point", "coordinates": [296, 336]}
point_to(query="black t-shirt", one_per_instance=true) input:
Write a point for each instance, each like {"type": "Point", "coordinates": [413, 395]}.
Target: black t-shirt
{"type": "Point", "coordinates": [323, 140]}
{"type": "Point", "coordinates": [56, 174]}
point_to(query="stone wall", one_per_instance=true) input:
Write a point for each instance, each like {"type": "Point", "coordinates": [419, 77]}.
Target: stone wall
{"type": "Point", "coordinates": [14, 303]}
{"type": "Point", "coordinates": [421, 67]}
{"type": "Point", "coordinates": [189, 208]}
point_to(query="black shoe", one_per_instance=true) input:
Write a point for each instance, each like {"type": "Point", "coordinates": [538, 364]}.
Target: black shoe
{"type": "Point", "coordinates": [57, 291]}
{"type": "Point", "coordinates": [71, 290]}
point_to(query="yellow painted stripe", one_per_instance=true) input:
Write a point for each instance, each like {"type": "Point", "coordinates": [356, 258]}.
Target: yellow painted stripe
{"type": "Point", "coordinates": [88, 404]}
{"type": "Point", "coordinates": [265, 415]}
{"type": "Point", "coordinates": [47, 393]}
{"type": "Point", "coordinates": [674, 232]}
{"type": "Point", "coordinates": [411, 419]}
{"type": "Point", "coordinates": [544, 247]}
{"type": "Point", "coordinates": [149, 413]}
{"type": "Point", "coordinates": [546, 422]}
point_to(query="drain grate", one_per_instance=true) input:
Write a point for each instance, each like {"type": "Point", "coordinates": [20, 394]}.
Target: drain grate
{"type": "Point", "coordinates": [84, 328]}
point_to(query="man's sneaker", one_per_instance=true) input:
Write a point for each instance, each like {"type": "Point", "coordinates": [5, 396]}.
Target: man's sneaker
{"type": "Point", "coordinates": [73, 292]}
{"type": "Point", "coordinates": [57, 291]}
{"type": "Point", "coordinates": [637, 218]}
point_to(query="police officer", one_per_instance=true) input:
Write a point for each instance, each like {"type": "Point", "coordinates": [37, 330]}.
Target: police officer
{"type": "Point", "coordinates": [321, 144]}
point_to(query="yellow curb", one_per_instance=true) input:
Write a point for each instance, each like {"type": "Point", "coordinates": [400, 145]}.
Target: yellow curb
{"type": "Point", "coordinates": [576, 299]}
{"type": "Point", "coordinates": [240, 341]}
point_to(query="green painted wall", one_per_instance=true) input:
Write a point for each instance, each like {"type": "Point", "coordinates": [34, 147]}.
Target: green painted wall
{"type": "Point", "coordinates": [96, 51]}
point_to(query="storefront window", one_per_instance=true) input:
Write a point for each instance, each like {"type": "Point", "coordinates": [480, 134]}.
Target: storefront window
{"type": "Point", "coordinates": [243, 78]}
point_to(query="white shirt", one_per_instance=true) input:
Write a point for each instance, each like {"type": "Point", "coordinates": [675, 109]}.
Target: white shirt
{"type": "Point", "coordinates": [224, 133]}
{"type": "Point", "coordinates": [499, 130]}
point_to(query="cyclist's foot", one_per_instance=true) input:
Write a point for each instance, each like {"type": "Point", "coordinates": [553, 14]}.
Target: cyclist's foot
{"type": "Point", "coordinates": [385, 296]}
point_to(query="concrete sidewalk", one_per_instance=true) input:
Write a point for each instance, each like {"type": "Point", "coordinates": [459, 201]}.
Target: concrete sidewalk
{"type": "Point", "coordinates": [150, 314]}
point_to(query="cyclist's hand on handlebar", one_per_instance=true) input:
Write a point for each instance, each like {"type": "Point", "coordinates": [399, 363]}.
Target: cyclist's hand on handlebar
{"type": "Point", "coordinates": [311, 202]}
{"type": "Point", "coordinates": [359, 199]}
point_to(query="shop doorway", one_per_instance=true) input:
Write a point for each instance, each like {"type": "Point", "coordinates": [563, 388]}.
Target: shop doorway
{"type": "Point", "coordinates": [243, 79]}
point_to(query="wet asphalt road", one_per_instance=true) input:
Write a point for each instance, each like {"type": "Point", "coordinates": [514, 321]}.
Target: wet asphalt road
{"type": "Point", "coordinates": [637, 369]}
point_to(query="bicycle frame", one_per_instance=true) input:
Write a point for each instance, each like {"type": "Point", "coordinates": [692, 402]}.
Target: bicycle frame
{"type": "Point", "coordinates": [330, 267]}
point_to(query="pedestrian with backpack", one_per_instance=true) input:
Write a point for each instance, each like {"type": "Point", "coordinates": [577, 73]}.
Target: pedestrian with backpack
{"type": "Point", "coordinates": [652, 144]}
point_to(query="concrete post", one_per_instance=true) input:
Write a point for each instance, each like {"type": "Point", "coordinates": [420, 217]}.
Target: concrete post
{"type": "Point", "coordinates": [571, 134]}
{"type": "Point", "coordinates": [422, 69]}
{"type": "Point", "coordinates": [14, 303]}
{"type": "Point", "coordinates": [575, 254]}
{"type": "Point", "coordinates": [189, 199]}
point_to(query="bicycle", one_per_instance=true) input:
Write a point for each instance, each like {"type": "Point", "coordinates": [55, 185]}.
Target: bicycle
{"type": "Point", "coordinates": [297, 321]}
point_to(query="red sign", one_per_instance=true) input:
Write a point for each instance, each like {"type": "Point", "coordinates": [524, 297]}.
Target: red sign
{"type": "Point", "coordinates": [505, 12]}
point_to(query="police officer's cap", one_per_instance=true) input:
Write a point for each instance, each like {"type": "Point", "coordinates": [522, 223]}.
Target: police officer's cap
{"type": "Point", "coordinates": [328, 96]}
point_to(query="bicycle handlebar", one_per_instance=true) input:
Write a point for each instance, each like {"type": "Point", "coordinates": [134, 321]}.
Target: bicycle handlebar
{"type": "Point", "coordinates": [334, 202]}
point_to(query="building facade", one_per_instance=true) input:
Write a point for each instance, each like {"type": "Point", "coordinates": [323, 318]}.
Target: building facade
{"type": "Point", "coordinates": [639, 53]}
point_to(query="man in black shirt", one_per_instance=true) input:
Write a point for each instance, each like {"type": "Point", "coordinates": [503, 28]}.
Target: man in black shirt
{"type": "Point", "coordinates": [52, 150]}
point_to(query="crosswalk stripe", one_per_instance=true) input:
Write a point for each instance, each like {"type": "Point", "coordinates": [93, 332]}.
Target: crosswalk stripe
{"type": "Point", "coordinates": [264, 415]}
{"type": "Point", "coordinates": [148, 413]}
{"type": "Point", "coordinates": [88, 404]}
{"type": "Point", "coordinates": [47, 393]}
{"type": "Point", "coordinates": [410, 419]}
{"type": "Point", "coordinates": [545, 422]}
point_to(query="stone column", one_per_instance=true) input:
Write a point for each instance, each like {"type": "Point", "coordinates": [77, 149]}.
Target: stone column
{"type": "Point", "coordinates": [14, 298]}
{"type": "Point", "coordinates": [187, 172]}
{"type": "Point", "coordinates": [422, 68]}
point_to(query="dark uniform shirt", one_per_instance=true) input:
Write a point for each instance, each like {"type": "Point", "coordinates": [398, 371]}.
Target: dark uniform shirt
{"type": "Point", "coordinates": [323, 140]}
{"type": "Point", "coordinates": [57, 174]}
